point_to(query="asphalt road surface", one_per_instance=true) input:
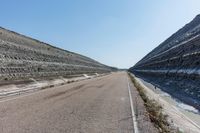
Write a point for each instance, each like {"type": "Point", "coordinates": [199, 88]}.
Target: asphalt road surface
{"type": "Point", "coordinates": [99, 105]}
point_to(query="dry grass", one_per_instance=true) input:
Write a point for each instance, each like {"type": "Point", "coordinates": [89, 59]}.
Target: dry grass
{"type": "Point", "coordinates": [153, 108]}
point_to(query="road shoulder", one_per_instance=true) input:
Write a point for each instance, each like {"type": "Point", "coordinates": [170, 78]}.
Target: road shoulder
{"type": "Point", "coordinates": [175, 116]}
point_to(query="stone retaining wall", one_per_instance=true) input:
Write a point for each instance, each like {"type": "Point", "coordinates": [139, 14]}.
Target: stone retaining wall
{"type": "Point", "coordinates": [22, 57]}
{"type": "Point", "coordinates": [174, 65]}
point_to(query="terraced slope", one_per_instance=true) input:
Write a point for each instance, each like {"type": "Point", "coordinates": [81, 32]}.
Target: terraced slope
{"type": "Point", "coordinates": [22, 57]}
{"type": "Point", "coordinates": [174, 65]}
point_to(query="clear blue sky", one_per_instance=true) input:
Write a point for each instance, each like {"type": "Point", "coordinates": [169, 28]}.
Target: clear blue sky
{"type": "Point", "coordinates": [114, 32]}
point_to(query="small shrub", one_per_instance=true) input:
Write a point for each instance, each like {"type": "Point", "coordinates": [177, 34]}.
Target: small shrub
{"type": "Point", "coordinates": [43, 88]}
{"type": "Point", "coordinates": [52, 86]}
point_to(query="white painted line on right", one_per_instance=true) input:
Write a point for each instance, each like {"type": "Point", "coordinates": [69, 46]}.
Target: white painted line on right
{"type": "Point", "coordinates": [135, 125]}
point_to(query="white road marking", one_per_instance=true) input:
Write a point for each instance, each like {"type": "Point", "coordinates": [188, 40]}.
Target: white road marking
{"type": "Point", "coordinates": [18, 96]}
{"type": "Point", "coordinates": [14, 97]}
{"type": "Point", "coordinates": [135, 125]}
{"type": "Point", "coordinates": [10, 98]}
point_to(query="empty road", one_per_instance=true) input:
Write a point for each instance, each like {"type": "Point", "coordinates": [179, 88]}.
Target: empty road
{"type": "Point", "coordinates": [99, 105]}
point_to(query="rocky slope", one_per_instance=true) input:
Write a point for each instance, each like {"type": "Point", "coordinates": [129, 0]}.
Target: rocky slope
{"type": "Point", "coordinates": [22, 57]}
{"type": "Point", "coordinates": [174, 65]}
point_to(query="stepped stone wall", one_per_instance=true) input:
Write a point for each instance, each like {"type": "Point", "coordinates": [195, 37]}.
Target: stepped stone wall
{"type": "Point", "coordinates": [22, 57]}
{"type": "Point", "coordinates": [174, 65]}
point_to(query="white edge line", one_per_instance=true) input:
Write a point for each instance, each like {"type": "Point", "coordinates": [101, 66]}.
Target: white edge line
{"type": "Point", "coordinates": [135, 125]}
{"type": "Point", "coordinates": [24, 94]}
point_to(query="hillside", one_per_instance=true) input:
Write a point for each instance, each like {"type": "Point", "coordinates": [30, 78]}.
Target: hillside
{"type": "Point", "coordinates": [174, 65]}
{"type": "Point", "coordinates": [22, 57]}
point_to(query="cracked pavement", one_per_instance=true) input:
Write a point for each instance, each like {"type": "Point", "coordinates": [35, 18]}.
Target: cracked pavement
{"type": "Point", "coordinates": [99, 105]}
